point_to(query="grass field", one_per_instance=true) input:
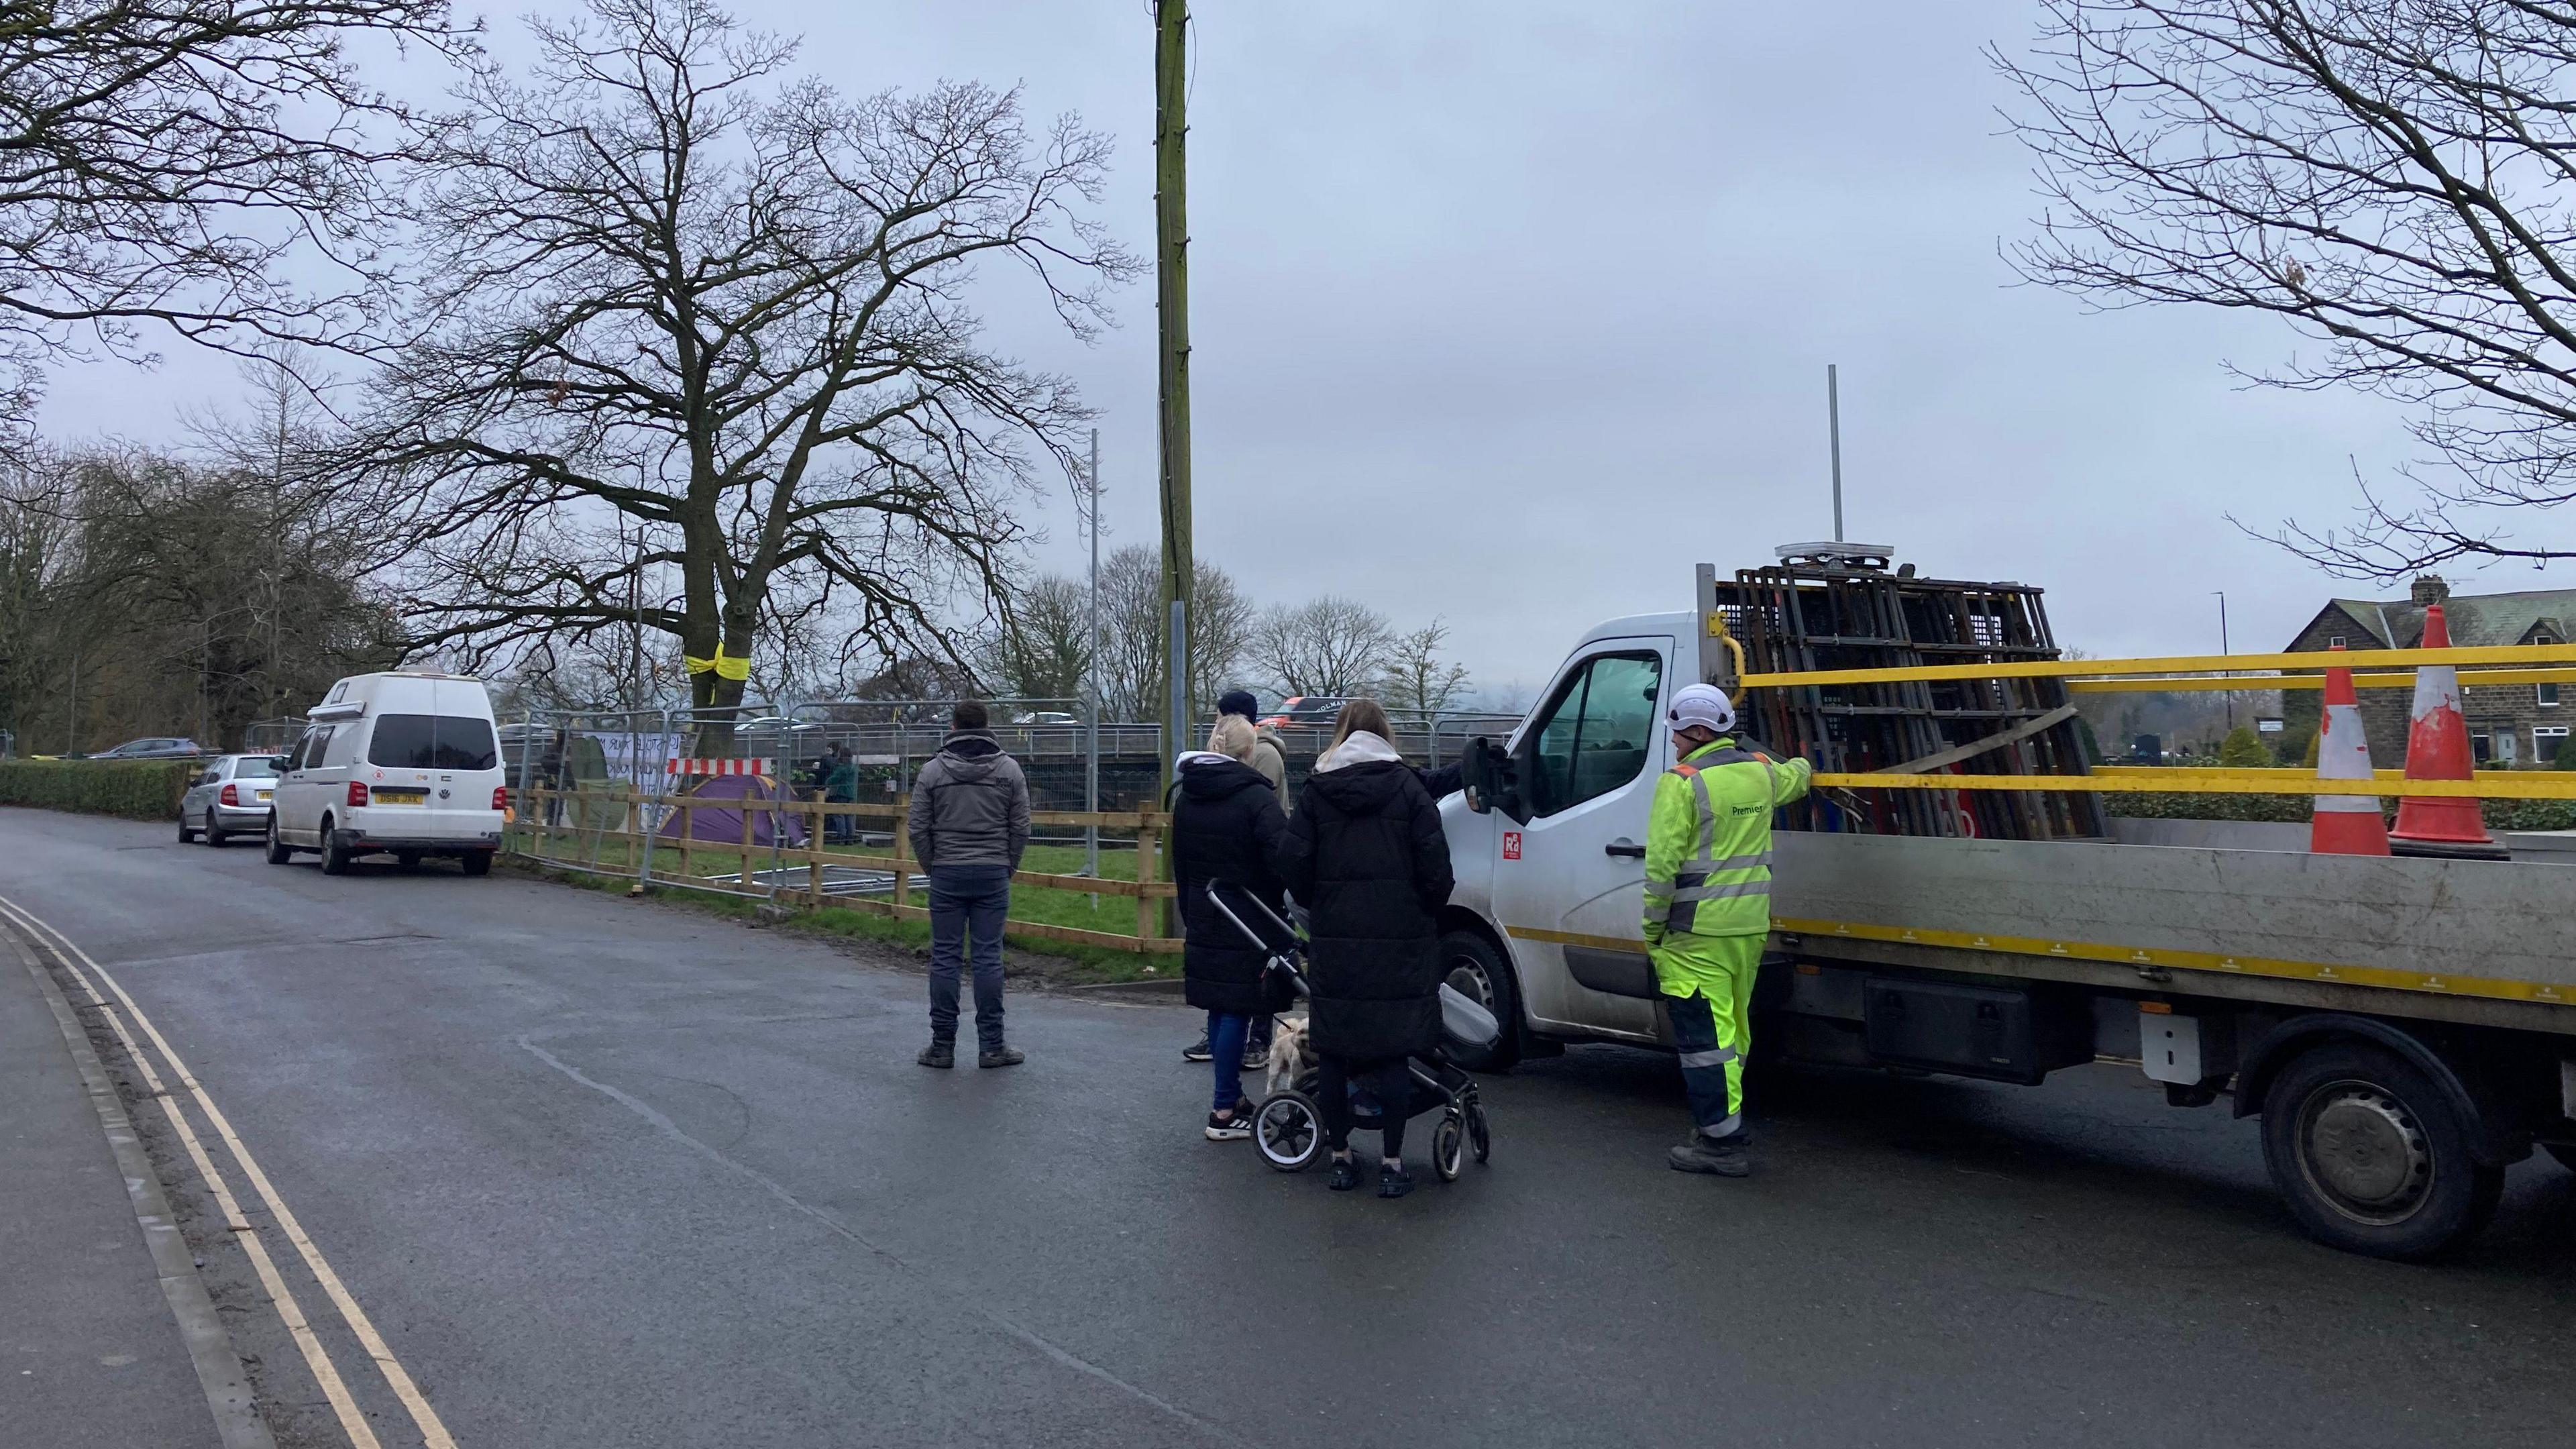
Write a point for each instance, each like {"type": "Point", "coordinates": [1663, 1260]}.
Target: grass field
{"type": "Point", "coordinates": [610, 862]}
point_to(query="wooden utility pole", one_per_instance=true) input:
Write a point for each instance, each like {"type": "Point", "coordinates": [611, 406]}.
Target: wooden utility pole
{"type": "Point", "coordinates": [1172, 309]}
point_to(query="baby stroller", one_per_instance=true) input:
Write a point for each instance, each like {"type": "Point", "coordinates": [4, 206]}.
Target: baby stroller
{"type": "Point", "coordinates": [1288, 1126]}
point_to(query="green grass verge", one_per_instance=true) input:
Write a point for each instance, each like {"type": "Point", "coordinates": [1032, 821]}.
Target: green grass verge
{"type": "Point", "coordinates": [1069, 963]}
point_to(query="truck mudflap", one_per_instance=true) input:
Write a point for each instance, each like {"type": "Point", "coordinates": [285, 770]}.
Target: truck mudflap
{"type": "Point", "coordinates": [2496, 1138]}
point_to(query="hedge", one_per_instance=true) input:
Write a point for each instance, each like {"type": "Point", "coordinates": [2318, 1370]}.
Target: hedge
{"type": "Point", "coordinates": [135, 789]}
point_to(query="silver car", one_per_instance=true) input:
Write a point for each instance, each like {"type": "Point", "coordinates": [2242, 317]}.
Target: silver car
{"type": "Point", "coordinates": [230, 797]}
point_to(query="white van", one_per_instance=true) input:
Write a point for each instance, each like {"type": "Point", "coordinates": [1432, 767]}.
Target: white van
{"type": "Point", "coordinates": [405, 763]}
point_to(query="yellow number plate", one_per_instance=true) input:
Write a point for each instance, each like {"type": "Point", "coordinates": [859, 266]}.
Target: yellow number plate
{"type": "Point", "coordinates": [263, 794]}
{"type": "Point", "coordinates": [400, 797]}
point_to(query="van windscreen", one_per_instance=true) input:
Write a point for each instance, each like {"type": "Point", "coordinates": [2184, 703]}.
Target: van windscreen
{"type": "Point", "coordinates": [433, 742]}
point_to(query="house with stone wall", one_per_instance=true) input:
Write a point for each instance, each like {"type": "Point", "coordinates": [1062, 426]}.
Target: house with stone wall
{"type": "Point", "coordinates": [2509, 725]}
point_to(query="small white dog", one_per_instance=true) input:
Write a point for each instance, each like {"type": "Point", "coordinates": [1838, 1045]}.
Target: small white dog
{"type": "Point", "coordinates": [1289, 1058]}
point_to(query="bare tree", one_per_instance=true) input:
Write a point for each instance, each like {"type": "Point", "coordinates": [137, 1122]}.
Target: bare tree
{"type": "Point", "coordinates": [667, 284]}
{"type": "Point", "coordinates": [1136, 634]}
{"type": "Point", "coordinates": [158, 157]}
{"type": "Point", "coordinates": [1329, 646]}
{"type": "Point", "coordinates": [2396, 181]}
{"type": "Point", "coordinates": [1043, 651]}
{"type": "Point", "coordinates": [1417, 679]}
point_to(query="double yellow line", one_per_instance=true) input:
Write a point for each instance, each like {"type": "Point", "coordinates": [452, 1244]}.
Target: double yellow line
{"type": "Point", "coordinates": [317, 1358]}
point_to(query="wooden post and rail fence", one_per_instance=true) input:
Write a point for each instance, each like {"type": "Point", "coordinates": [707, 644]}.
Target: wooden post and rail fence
{"type": "Point", "coordinates": [535, 834]}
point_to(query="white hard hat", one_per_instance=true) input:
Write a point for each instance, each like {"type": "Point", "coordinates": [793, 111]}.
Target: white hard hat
{"type": "Point", "coordinates": [1701, 704]}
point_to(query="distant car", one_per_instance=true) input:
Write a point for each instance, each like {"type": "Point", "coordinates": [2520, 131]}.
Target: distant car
{"type": "Point", "coordinates": [1047, 717]}
{"type": "Point", "coordinates": [231, 796]}
{"type": "Point", "coordinates": [162, 748]}
{"type": "Point", "coordinates": [1312, 710]}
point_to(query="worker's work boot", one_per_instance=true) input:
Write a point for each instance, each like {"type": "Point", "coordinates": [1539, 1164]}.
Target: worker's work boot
{"type": "Point", "coordinates": [938, 1054]}
{"type": "Point", "coordinates": [1725, 1156]}
{"type": "Point", "coordinates": [1000, 1056]}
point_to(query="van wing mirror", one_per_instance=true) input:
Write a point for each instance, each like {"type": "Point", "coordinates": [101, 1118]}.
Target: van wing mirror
{"type": "Point", "coordinates": [1492, 780]}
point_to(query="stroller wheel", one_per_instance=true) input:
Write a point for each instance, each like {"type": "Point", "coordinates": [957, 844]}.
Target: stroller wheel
{"type": "Point", "coordinates": [1448, 1146]}
{"type": "Point", "coordinates": [1479, 1133]}
{"type": "Point", "coordinates": [1289, 1131]}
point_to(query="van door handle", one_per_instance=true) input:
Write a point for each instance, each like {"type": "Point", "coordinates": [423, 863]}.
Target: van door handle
{"type": "Point", "coordinates": [1624, 846]}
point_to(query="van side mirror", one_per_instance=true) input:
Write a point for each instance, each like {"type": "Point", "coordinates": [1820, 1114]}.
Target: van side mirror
{"type": "Point", "coordinates": [1492, 780]}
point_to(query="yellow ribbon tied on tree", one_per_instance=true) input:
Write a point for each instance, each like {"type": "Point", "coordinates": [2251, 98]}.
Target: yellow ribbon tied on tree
{"type": "Point", "coordinates": [736, 667]}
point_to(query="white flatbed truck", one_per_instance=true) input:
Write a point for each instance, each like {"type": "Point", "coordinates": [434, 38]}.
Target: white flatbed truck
{"type": "Point", "coordinates": [2404, 1028]}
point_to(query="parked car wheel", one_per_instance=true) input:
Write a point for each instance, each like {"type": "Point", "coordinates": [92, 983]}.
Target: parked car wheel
{"type": "Point", "coordinates": [186, 836]}
{"type": "Point", "coordinates": [1471, 966]}
{"type": "Point", "coordinates": [215, 834]}
{"type": "Point", "coordinates": [2372, 1155]}
{"type": "Point", "coordinates": [477, 862]}
{"type": "Point", "coordinates": [279, 852]}
{"type": "Point", "coordinates": [335, 856]}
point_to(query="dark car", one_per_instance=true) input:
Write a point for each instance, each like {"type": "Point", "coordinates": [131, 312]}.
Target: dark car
{"type": "Point", "coordinates": [159, 748]}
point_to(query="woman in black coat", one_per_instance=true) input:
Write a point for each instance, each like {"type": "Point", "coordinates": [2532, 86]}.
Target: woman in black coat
{"type": "Point", "coordinates": [1226, 825]}
{"type": "Point", "coordinates": [1365, 853]}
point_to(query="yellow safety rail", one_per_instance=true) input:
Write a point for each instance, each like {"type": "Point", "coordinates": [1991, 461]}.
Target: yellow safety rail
{"type": "Point", "coordinates": [2117, 673]}
{"type": "Point", "coordinates": [2149, 780]}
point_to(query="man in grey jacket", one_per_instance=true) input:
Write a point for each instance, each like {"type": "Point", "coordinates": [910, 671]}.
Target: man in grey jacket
{"type": "Point", "coordinates": [969, 827]}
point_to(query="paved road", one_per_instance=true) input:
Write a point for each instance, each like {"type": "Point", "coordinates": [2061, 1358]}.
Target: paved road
{"type": "Point", "coordinates": [610, 1173]}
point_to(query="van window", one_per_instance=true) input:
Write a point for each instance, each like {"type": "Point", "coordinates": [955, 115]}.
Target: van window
{"type": "Point", "coordinates": [433, 742]}
{"type": "Point", "coordinates": [1598, 731]}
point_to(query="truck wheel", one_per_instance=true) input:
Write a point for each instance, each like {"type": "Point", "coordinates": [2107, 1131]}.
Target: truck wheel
{"type": "Point", "coordinates": [476, 862]}
{"type": "Point", "coordinates": [1470, 966]}
{"type": "Point", "coordinates": [2373, 1157]}
{"type": "Point", "coordinates": [279, 852]}
{"type": "Point", "coordinates": [335, 856]}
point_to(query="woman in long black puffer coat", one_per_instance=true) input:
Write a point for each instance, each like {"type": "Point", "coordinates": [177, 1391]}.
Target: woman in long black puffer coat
{"type": "Point", "coordinates": [1365, 854]}
{"type": "Point", "coordinates": [1226, 825]}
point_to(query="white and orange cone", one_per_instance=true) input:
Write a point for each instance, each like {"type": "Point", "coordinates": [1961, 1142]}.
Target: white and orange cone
{"type": "Point", "coordinates": [2437, 748]}
{"type": "Point", "coordinates": [2345, 824]}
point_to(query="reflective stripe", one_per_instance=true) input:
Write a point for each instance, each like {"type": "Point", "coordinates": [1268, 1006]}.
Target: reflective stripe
{"type": "Point", "coordinates": [1747, 862]}
{"type": "Point", "coordinates": [1723, 892]}
{"type": "Point", "coordinates": [1717, 1058]}
{"type": "Point", "coordinates": [1707, 817]}
{"type": "Point", "coordinates": [1724, 1129]}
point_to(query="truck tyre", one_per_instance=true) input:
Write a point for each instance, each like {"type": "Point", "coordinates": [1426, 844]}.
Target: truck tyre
{"type": "Point", "coordinates": [335, 856]}
{"type": "Point", "coordinates": [2372, 1155]}
{"type": "Point", "coordinates": [279, 852]}
{"type": "Point", "coordinates": [476, 862]}
{"type": "Point", "coordinates": [1471, 966]}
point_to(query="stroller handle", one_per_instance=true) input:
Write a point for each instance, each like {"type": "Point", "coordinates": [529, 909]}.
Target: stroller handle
{"type": "Point", "coordinates": [1282, 959]}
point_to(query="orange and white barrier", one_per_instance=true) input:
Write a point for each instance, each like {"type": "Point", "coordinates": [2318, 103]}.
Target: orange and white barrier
{"type": "Point", "coordinates": [2345, 824]}
{"type": "Point", "coordinates": [752, 766]}
{"type": "Point", "coordinates": [2437, 748]}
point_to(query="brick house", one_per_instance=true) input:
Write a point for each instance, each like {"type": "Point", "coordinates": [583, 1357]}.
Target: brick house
{"type": "Point", "coordinates": [2509, 725]}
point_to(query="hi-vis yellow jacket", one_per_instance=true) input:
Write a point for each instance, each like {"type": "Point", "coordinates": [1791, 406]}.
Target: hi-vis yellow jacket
{"type": "Point", "coordinates": [1708, 841]}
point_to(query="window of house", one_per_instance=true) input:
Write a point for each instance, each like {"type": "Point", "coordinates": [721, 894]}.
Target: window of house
{"type": "Point", "coordinates": [2481, 747]}
{"type": "Point", "coordinates": [2545, 695]}
{"type": "Point", "coordinates": [2546, 741]}
{"type": "Point", "coordinates": [2334, 641]}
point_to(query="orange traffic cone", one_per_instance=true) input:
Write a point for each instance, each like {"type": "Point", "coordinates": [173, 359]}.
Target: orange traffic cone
{"type": "Point", "coordinates": [2345, 824]}
{"type": "Point", "coordinates": [2437, 748]}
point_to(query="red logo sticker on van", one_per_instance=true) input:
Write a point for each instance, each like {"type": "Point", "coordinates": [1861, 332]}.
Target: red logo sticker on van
{"type": "Point", "coordinates": [1511, 845]}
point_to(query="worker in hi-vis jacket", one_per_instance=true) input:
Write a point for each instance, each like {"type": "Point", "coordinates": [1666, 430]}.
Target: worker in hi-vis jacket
{"type": "Point", "coordinates": [1708, 911]}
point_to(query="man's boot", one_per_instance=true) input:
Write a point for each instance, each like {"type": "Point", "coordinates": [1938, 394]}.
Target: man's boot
{"type": "Point", "coordinates": [940, 1053]}
{"type": "Point", "coordinates": [1724, 1156]}
{"type": "Point", "coordinates": [1000, 1056]}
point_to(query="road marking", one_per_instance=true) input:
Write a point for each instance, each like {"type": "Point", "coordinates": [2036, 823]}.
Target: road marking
{"type": "Point", "coordinates": [433, 1432]}
{"type": "Point", "coordinates": [210, 1349]}
{"type": "Point", "coordinates": [291, 1313]}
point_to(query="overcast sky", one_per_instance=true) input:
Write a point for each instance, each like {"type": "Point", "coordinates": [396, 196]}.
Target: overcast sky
{"type": "Point", "coordinates": [1513, 312]}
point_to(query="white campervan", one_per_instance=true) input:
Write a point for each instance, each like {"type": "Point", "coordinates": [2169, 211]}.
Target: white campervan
{"type": "Point", "coordinates": [404, 763]}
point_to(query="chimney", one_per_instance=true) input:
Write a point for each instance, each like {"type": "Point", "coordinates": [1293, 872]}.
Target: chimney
{"type": "Point", "coordinates": [2430, 589]}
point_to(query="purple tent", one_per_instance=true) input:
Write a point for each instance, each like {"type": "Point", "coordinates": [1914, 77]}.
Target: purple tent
{"type": "Point", "coordinates": [724, 826]}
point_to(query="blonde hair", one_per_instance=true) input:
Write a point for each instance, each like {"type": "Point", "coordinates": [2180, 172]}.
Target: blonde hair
{"type": "Point", "coordinates": [1232, 736]}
